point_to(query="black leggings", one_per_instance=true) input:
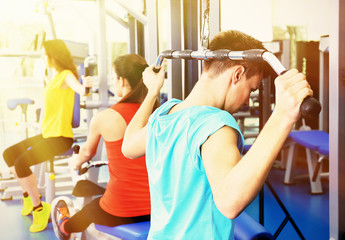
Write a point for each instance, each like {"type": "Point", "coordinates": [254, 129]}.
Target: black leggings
{"type": "Point", "coordinates": [93, 213]}
{"type": "Point", "coordinates": [34, 150]}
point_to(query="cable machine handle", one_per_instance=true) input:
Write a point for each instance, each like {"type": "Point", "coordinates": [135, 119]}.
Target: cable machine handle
{"type": "Point", "coordinates": [310, 106]}
{"type": "Point", "coordinates": [87, 73]}
{"type": "Point", "coordinates": [90, 66]}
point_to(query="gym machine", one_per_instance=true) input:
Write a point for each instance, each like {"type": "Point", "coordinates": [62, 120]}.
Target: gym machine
{"type": "Point", "coordinates": [310, 107]}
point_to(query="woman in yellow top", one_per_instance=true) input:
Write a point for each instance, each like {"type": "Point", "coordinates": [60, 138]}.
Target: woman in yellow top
{"type": "Point", "coordinates": [57, 135]}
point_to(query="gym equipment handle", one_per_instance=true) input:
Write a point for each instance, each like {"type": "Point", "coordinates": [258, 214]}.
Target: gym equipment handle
{"type": "Point", "coordinates": [89, 67]}
{"type": "Point", "coordinates": [76, 149]}
{"type": "Point", "coordinates": [89, 165]}
{"type": "Point", "coordinates": [95, 164]}
{"type": "Point", "coordinates": [310, 107]}
{"type": "Point", "coordinates": [87, 73]}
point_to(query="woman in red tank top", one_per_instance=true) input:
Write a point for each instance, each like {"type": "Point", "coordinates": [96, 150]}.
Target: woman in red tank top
{"type": "Point", "coordinates": [127, 198]}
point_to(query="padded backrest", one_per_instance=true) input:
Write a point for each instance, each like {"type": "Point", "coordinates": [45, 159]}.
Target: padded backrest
{"type": "Point", "coordinates": [76, 108]}
{"type": "Point", "coordinates": [76, 111]}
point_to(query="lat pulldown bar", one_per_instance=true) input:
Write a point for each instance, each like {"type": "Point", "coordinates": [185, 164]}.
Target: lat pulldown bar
{"type": "Point", "coordinates": [310, 106]}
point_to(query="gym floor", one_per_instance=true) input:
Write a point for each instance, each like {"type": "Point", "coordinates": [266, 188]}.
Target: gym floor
{"type": "Point", "coordinates": [310, 212]}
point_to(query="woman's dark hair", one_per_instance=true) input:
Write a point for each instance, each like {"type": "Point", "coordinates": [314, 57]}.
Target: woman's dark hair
{"type": "Point", "coordinates": [131, 67]}
{"type": "Point", "coordinates": [57, 50]}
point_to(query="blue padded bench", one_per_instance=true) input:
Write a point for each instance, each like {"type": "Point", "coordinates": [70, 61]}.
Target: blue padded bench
{"type": "Point", "coordinates": [246, 228]}
{"type": "Point", "coordinates": [311, 140]}
{"type": "Point", "coordinates": [324, 149]}
{"type": "Point", "coordinates": [133, 231]}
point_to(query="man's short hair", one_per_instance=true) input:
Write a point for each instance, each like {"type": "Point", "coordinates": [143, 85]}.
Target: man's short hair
{"type": "Point", "coordinates": [236, 41]}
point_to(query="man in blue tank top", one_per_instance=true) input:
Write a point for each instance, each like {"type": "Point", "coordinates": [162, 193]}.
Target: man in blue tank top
{"type": "Point", "coordinates": [199, 182]}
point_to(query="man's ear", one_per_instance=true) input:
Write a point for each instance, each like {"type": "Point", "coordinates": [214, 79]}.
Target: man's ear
{"type": "Point", "coordinates": [238, 73]}
{"type": "Point", "coordinates": [122, 81]}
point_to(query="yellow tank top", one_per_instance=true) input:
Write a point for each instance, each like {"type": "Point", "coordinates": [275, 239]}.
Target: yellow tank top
{"type": "Point", "coordinates": [58, 108]}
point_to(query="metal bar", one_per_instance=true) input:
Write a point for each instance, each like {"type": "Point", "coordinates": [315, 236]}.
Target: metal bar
{"type": "Point", "coordinates": [214, 17]}
{"type": "Point", "coordinates": [310, 107]}
{"type": "Point", "coordinates": [281, 227]}
{"type": "Point", "coordinates": [273, 61]}
{"type": "Point", "coordinates": [131, 35]}
{"type": "Point", "coordinates": [102, 52]}
{"type": "Point", "coordinates": [324, 84]}
{"type": "Point", "coordinates": [286, 212]}
{"type": "Point", "coordinates": [51, 23]}
{"type": "Point", "coordinates": [139, 38]}
{"type": "Point", "coordinates": [336, 120]}
{"type": "Point", "coordinates": [114, 16]}
{"type": "Point", "coordinates": [139, 16]}
{"type": "Point", "coordinates": [151, 31]}
{"type": "Point", "coordinates": [95, 104]}
{"type": "Point", "coordinates": [190, 41]}
{"type": "Point", "coordinates": [251, 55]}
{"type": "Point", "coordinates": [102, 74]}
{"type": "Point", "coordinates": [33, 54]}
{"type": "Point", "coordinates": [174, 69]}
{"type": "Point", "coordinates": [261, 207]}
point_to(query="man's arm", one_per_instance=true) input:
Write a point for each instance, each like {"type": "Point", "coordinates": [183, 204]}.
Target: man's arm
{"type": "Point", "coordinates": [134, 142]}
{"type": "Point", "coordinates": [235, 182]}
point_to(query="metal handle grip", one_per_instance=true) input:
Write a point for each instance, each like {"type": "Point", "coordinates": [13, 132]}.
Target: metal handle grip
{"type": "Point", "coordinates": [89, 67]}
{"type": "Point", "coordinates": [76, 149]}
{"type": "Point", "coordinates": [95, 164]}
{"type": "Point", "coordinates": [310, 106]}
{"type": "Point", "coordinates": [87, 73]}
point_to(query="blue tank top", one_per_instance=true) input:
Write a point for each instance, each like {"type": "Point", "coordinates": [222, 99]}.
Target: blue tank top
{"type": "Point", "coordinates": [182, 205]}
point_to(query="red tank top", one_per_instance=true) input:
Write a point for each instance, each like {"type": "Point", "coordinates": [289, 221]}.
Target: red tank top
{"type": "Point", "coordinates": [127, 193]}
